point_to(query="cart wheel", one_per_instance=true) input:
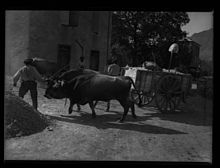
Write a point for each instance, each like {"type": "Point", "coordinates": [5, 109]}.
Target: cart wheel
{"type": "Point", "coordinates": [134, 96]}
{"type": "Point", "coordinates": [146, 98]}
{"type": "Point", "coordinates": [168, 94]}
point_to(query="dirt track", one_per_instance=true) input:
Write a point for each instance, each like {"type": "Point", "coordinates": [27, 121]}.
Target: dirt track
{"type": "Point", "coordinates": [151, 137]}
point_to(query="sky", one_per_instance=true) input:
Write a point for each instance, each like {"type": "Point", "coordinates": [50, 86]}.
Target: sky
{"type": "Point", "coordinates": [199, 21]}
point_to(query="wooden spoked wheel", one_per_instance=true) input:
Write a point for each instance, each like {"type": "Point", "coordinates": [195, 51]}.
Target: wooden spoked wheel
{"type": "Point", "coordinates": [146, 98]}
{"type": "Point", "coordinates": [168, 93]}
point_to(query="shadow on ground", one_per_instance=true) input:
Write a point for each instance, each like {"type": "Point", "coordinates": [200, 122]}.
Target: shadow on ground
{"type": "Point", "coordinates": [184, 115]}
{"type": "Point", "coordinates": [204, 118]}
{"type": "Point", "coordinates": [106, 121]}
{"type": "Point", "coordinates": [197, 111]}
{"type": "Point", "coordinates": [186, 118]}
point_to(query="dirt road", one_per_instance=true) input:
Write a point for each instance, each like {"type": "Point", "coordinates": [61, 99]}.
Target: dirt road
{"type": "Point", "coordinates": [153, 136]}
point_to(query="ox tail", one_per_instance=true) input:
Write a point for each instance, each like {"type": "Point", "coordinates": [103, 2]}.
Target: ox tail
{"type": "Point", "coordinates": [135, 89]}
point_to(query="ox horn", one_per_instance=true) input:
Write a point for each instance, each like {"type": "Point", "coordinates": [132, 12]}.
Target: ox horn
{"type": "Point", "coordinates": [58, 72]}
{"type": "Point", "coordinates": [62, 83]}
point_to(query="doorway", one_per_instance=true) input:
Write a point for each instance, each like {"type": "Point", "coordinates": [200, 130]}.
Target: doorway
{"type": "Point", "coordinates": [63, 55]}
{"type": "Point", "coordinates": [94, 60]}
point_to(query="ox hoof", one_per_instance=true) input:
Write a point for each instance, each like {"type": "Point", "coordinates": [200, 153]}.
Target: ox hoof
{"type": "Point", "coordinates": [134, 116]}
{"type": "Point", "coordinates": [121, 120]}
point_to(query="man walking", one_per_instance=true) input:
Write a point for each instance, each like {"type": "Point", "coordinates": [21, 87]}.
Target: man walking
{"type": "Point", "coordinates": [113, 70]}
{"type": "Point", "coordinates": [81, 63]}
{"type": "Point", "coordinates": [28, 76]}
{"type": "Point", "coordinates": [81, 66]}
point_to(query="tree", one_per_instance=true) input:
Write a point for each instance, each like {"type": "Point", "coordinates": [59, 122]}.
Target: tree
{"type": "Point", "coordinates": [141, 32]}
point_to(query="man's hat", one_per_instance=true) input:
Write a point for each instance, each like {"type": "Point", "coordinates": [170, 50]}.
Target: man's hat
{"type": "Point", "coordinates": [28, 61]}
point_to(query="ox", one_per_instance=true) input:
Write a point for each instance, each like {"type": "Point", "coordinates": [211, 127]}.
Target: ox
{"type": "Point", "coordinates": [87, 86]}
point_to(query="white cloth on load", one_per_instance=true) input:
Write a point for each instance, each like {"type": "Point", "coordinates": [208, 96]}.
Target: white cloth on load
{"type": "Point", "coordinates": [172, 71]}
{"type": "Point", "coordinates": [132, 72]}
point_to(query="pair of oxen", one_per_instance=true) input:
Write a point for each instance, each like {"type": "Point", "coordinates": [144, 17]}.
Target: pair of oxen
{"type": "Point", "coordinates": [82, 86]}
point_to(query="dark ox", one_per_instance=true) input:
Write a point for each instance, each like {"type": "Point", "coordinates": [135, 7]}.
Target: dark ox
{"type": "Point", "coordinates": [69, 75]}
{"type": "Point", "coordinates": [87, 86]}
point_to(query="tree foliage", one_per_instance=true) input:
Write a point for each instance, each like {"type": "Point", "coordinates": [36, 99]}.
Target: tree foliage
{"type": "Point", "coordinates": [140, 32]}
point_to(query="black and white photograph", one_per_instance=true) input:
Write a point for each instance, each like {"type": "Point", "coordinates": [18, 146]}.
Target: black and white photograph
{"type": "Point", "coordinates": [101, 85]}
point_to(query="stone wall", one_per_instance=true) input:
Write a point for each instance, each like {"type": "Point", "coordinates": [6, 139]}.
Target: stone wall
{"type": "Point", "coordinates": [47, 31]}
{"type": "Point", "coordinates": [38, 34]}
{"type": "Point", "coordinates": [91, 40]}
{"type": "Point", "coordinates": [16, 40]}
{"type": "Point", "coordinates": [44, 34]}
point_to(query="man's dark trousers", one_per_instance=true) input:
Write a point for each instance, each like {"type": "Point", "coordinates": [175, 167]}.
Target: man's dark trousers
{"type": "Point", "coordinates": [25, 87]}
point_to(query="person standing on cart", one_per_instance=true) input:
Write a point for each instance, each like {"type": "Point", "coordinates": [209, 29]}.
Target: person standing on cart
{"type": "Point", "coordinates": [174, 61]}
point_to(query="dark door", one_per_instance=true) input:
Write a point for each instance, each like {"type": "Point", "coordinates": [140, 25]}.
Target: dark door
{"type": "Point", "coordinates": [94, 60]}
{"type": "Point", "coordinates": [63, 55]}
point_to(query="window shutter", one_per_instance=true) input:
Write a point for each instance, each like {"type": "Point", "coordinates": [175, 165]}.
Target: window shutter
{"type": "Point", "coordinates": [95, 22]}
{"type": "Point", "coordinates": [74, 18]}
{"type": "Point", "coordinates": [64, 17]}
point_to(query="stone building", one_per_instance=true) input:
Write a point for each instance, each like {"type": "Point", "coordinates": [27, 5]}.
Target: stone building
{"type": "Point", "coordinates": [193, 49]}
{"type": "Point", "coordinates": [59, 36]}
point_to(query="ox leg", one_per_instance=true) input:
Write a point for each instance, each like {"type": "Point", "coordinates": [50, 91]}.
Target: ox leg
{"type": "Point", "coordinates": [78, 107]}
{"type": "Point", "coordinates": [91, 105]}
{"type": "Point", "coordinates": [125, 105]}
{"type": "Point", "coordinates": [71, 106]}
{"type": "Point", "coordinates": [108, 106]}
{"type": "Point", "coordinates": [132, 109]}
{"type": "Point", "coordinates": [96, 102]}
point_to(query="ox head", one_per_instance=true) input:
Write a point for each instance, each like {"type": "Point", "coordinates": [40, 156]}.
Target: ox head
{"type": "Point", "coordinates": [68, 84]}
{"type": "Point", "coordinates": [55, 89]}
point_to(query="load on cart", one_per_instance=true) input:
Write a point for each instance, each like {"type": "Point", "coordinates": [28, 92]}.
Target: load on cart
{"type": "Point", "coordinates": [167, 87]}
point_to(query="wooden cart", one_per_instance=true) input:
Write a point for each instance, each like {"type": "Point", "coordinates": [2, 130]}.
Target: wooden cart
{"type": "Point", "coordinates": [168, 89]}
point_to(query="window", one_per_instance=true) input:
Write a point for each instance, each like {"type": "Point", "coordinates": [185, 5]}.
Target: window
{"type": "Point", "coordinates": [69, 18]}
{"type": "Point", "coordinates": [95, 22]}
{"type": "Point", "coordinates": [64, 18]}
{"type": "Point", "coordinates": [94, 60]}
{"type": "Point", "coordinates": [74, 18]}
{"type": "Point", "coordinates": [64, 52]}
